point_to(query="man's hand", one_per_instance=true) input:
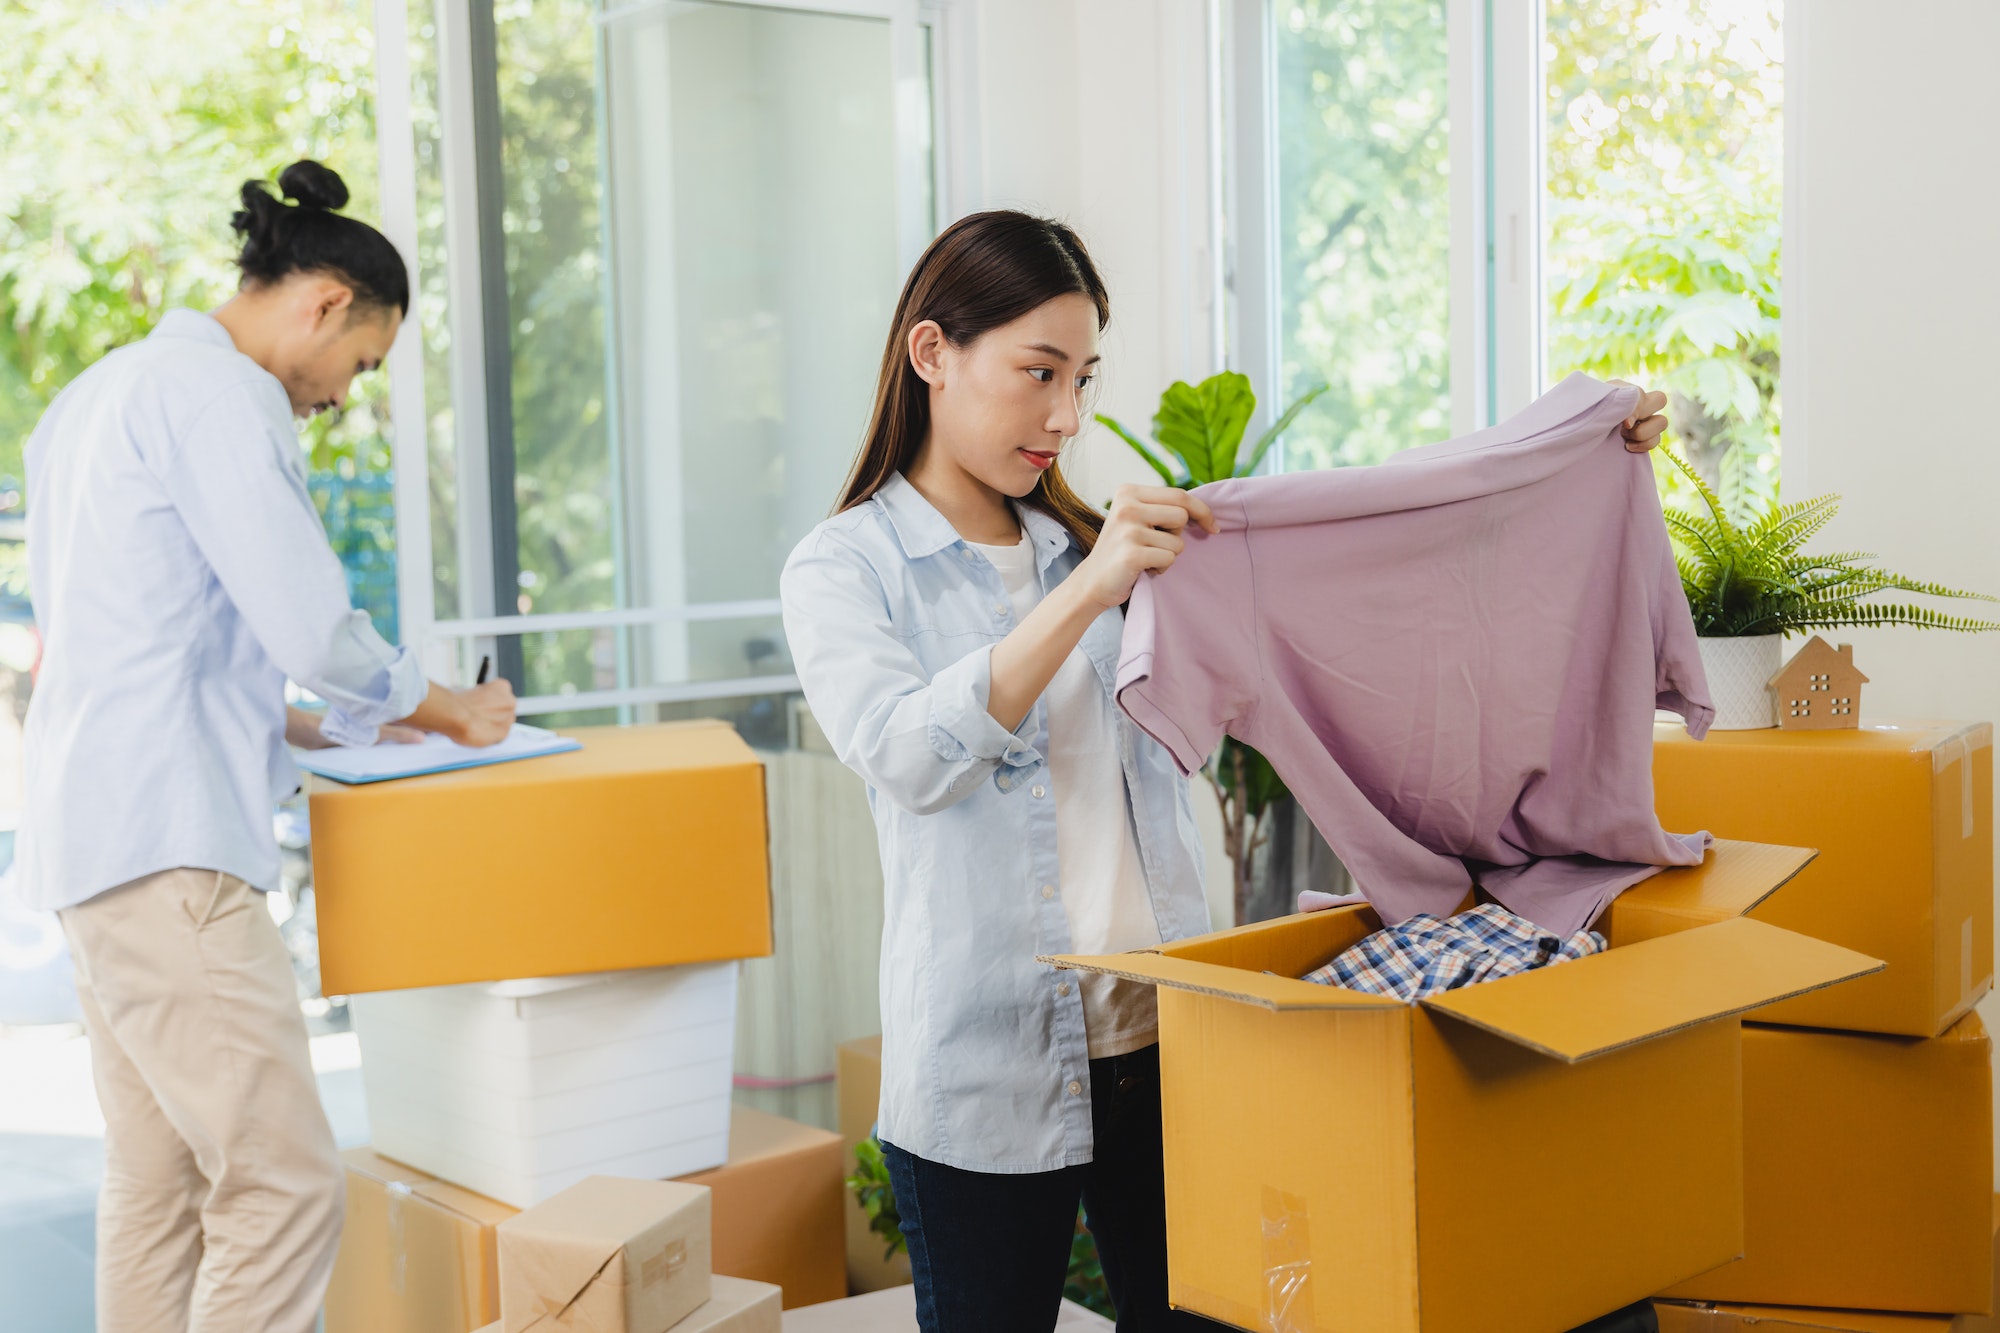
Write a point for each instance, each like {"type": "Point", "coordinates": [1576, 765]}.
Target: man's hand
{"type": "Point", "coordinates": [1642, 430]}
{"type": "Point", "coordinates": [481, 715]}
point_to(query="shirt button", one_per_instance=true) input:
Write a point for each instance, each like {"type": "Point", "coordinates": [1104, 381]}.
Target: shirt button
{"type": "Point", "coordinates": [1075, 1088]}
{"type": "Point", "coordinates": [1039, 790]}
{"type": "Point", "coordinates": [1063, 989]}
{"type": "Point", "coordinates": [1048, 890]}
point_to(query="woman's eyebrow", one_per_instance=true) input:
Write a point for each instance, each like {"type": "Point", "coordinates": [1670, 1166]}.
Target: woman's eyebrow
{"type": "Point", "coordinates": [1059, 354]}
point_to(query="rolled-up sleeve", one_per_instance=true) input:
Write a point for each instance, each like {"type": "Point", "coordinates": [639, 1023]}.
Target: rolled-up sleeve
{"type": "Point", "coordinates": [923, 741]}
{"type": "Point", "coordinates": [235, 479]}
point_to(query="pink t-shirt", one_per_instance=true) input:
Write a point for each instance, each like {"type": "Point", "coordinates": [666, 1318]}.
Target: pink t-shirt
{"type": "Point", "coordinates": [1452, 659]}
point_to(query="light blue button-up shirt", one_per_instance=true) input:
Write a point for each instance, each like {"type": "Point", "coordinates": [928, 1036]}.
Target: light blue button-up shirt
{"type": "Point", "coordinates": [892, 620]}
{"type": "Point", "coordinates": [180, 575]}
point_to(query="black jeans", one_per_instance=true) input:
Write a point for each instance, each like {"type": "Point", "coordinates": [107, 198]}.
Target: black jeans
{"type": "Point", "coordinates": [990, 1252]}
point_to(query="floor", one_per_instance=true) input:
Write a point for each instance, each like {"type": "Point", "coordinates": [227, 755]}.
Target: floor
{"type": "Point", "coordinates": [52, 1155]}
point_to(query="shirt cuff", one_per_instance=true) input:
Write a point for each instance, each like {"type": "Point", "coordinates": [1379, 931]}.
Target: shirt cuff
{"type": "Point", "coordinates": [338, 727]}
{"type": "Point", "coordinates": [391, 696]}
{"type": "Point", "coordinates": [960, 725]}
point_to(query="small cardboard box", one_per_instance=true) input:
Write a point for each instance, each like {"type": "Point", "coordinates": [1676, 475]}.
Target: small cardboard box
{"type": "Point", "coordinates": [645, 848]}
{"type": "Point", "coordinates": [416, 1255]}
{"type": "Point", "coordinates": [1679, 1317]}
{"type": "Point", "coordinates": [1868, 1163]}
{"type": "Point", "coordinates": [608, 1255]}
{"type": "Point", "coordinates": [737, 1306]}
{"type": "Point", "coordinates": [777, 1207]}
{"type": "Point", "coordinates": [1903, 819]}
{"type": "Point", "coordinates": [858, 1088]}
{"type": "Point", "coordinates": [1567, 1140]}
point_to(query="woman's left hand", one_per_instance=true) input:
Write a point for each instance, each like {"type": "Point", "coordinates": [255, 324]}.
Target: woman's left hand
{"type": "Point", "coordinates": [1642, 430]}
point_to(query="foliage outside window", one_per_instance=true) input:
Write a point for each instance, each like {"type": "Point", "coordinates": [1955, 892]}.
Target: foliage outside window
{"type": "Point", "coordinates": [127, 138]}
{"type": "Point", "coordinates": [1665, 144]}
{"type": "Point", "coordinates": [1364, 226]}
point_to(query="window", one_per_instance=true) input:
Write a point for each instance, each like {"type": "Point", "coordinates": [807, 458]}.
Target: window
{"type": "Point", "coordinates": [1440, 207]}
{"type": "Point", "coordinates": [659, 245]}
{"type": "Point", "coordinates": [1665, 149]}
{"type": "Point", "coordinates": [1364, 225]}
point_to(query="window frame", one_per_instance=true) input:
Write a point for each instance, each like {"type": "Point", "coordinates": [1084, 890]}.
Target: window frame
{"type": "Point", "coordinates": [480, 365]}
{"type": "Point", "coordinates": [1496, 297]}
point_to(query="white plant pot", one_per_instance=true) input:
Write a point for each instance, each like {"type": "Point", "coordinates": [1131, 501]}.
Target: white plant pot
{"type": "Point", "coordinates": [1739, 674]}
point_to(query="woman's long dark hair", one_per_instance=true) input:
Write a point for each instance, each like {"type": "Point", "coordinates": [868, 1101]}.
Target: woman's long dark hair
{"type": "Point", "coordinates": [982, 271]}
{"type": "Point", "coordinates": [310, 237]}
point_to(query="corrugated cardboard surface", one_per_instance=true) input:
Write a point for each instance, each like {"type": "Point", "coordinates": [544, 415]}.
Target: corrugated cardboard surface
{"type": "Point", "coordinates": [1337, 1163]}
{"type": "Point", "coordinates": [737, 1306]}
{"type": "Point", "coordinates": [606, 1256]}
{"type": "Point", "coordinates": [858, 1080]}
{"type": "Point", "coordinates": [416, 1255]}
{"type": "Point", "coordinates": [1868, 1169]}
{"type": "Point", "coordinates": [1902, 817]}
{"type": "Point", "coordinates": [777, 1207]}
{"type": "Point", "coordinates": [1679, 1318]}
{"type": "Point", "coordinates": [645, 848]}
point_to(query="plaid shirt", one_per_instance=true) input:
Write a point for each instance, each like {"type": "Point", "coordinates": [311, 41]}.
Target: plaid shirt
{"type": "Point", "coordinates": [1429, 954]}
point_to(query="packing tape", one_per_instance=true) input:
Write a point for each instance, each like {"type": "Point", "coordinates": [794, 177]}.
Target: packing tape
{"type": "Point", "coordinates": [398, 1259]}
{"type": "Point", "coordinates": [1287, 1263]}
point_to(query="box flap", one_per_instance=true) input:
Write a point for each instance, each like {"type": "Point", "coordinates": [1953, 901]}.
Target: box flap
{"type": "Point", "coordinates": [1731, 880]}
{"type": "Point", "coordinates": [1264, 989]}
{"type": "Point", "coordinates": [553, 1252]}
{"type": "Point", "coordinates": [1637, 992]}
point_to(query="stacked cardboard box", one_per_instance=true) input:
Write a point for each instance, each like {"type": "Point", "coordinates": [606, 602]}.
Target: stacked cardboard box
{"type": "Point", "coordinates": [624, 880]}
{"type": "Point", "coordinates": [1558, 1144]}
{"type": "Point", "coordinates": [422, 1256]}
{"type": "Point", "coordinates": [1867, 1108]}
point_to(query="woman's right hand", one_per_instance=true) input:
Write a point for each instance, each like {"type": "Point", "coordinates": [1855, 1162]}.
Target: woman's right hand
{"type": "Point", "coordinates": [1143, 531]}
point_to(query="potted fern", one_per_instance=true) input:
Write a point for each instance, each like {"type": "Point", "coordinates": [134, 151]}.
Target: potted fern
{"type": "Point", "coordinates": [1749, 586]}
{"type": "Point", "coordinates": [1198, 438]}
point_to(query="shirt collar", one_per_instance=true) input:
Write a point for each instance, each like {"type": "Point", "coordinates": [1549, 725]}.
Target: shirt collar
{"type": "Point", "coordinates": [923, 531]}
{"type": "Point", "coordinates": [193, 324]}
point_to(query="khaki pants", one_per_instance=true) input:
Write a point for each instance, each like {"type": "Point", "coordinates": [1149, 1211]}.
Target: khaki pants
{"type": "Point", "coordinates": [222, 1197]}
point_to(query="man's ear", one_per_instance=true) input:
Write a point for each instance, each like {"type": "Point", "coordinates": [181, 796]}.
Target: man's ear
{"type": "Point", "coordinates": [329, 299]}
{"type": "Point", "coordinates": [926, 349]}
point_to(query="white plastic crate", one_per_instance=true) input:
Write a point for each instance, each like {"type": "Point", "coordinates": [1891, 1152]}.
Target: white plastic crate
{"type": "Point", "coordinates": [519, 1089]}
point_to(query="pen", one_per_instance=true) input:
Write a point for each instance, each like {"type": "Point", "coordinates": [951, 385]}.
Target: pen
{"type": "Point", "coordinates": [485, 665]}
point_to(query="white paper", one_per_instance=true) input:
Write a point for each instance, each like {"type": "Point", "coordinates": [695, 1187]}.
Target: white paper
{"type": "Point", "coordinates": [433, 754]}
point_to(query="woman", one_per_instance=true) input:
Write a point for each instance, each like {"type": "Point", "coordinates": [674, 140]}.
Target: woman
{"type": "Point", "coordinates": [180, 575]}
{"type": "Point", "coordinates": [956, 627]}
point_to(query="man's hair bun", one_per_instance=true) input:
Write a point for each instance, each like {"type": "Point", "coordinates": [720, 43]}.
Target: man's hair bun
{"type": "Point", "coordinates": [309, 237]}
{"type": "Point", "coordinates": [313, 185]}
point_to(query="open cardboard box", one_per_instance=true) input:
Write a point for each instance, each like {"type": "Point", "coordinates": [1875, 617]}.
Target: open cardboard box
{"type": "Point", "coordinates": [1565, 1141]}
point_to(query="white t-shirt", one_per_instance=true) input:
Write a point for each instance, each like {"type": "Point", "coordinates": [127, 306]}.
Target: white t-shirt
{"type": "Point", "coordinates": [1102, 880]}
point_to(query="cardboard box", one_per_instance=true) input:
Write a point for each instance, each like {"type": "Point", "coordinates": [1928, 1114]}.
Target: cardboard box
{"type": "Point", "coordinates": [1903, 820]}
{"type": "Point", "coordinates": [519, 1089]}
{"type": "Point", "coordinates": [777, 1207]}
{"type": "Point", "coordinates": [1868, 1168]}
{"type": "Point", "coordinates": [606, 1256]}
{"type": "Point", "coordinates": [416, 1255]}
{"type": "Point", "coordinates": [736, 1307]}
{"type": "Point", "coordinates": [1676, 1317]}
{"type": "Point", "coordinates": [858, 1089]}
{"type": "Point", "coordinates": [1566, 1141]}
{"type": "Point", "coordinates": [894, 1310]}
{"type": "Point", "coordinates": [645, 848]}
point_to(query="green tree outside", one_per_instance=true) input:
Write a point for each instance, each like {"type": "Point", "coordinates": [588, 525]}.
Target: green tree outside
{"type": "Point", "coordinates": [123, 142]}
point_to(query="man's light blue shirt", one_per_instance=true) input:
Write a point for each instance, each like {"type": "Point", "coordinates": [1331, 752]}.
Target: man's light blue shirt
{"type": "Point", "coordinates": [892, 620]}
{"type": "Point", "coordinates": [180, 574]}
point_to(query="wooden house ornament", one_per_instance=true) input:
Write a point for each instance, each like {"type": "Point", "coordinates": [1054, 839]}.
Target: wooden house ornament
{"type": "Point", "coordinates": [1819, 689]}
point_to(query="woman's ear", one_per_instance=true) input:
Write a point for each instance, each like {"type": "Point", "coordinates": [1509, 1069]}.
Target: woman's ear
{"type": "Point", "coordinates": [927, 346]}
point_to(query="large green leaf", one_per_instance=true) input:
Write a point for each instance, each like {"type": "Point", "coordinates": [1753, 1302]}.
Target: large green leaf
{"type": "Point", "coordinates": [1138, 446]}
{"type": "Point", "coordinates": [1202, 425]}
